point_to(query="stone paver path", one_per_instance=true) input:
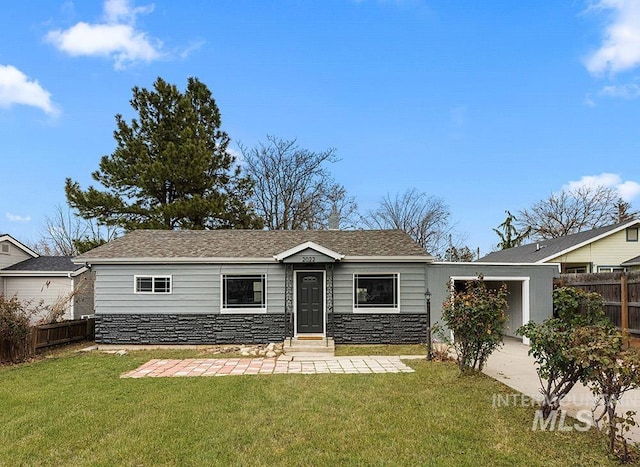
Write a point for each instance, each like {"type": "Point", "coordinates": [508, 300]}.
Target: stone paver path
{"type": "Point", "coordinates": [266, 366]}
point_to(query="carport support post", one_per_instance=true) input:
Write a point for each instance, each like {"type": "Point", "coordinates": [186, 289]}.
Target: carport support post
{"type": "Point", "coordinates": [427, 296]}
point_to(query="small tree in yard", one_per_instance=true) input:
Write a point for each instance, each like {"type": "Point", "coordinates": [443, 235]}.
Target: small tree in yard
{"type": "Point", "coordinates": [609, 370]}
{"type": "Point", "coordinates": [15, 328]}
{"type": "Point", "coordinates": [477, 316]}
{"type": "Point", "coordinates": [551, 341]}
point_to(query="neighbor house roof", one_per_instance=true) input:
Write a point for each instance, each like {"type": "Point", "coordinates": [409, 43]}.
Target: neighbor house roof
{"type": "Point", "coordinates": [546, 250]}
{"type": "Point", "coordinates": [45, 263]}
{"type": "Point", "coordinates": [17, 244]}
{"type": "Point", "coordinates": [632, 262]}
{"type": "Point", "coordinates": [247, 245]}
{"type": "Point", "coordinates": [44, 266]}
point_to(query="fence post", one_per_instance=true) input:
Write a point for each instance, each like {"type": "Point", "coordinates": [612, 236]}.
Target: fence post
{"type": "Point", "coordinates": [624, 302]}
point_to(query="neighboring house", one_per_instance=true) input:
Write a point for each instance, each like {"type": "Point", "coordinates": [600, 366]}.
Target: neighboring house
{"type": "Point", "coordinates": [44, 280]}
{"type": "Point", "coordinates": [606, 249]}
{"type": "Point", "coordinates": [254, 286]}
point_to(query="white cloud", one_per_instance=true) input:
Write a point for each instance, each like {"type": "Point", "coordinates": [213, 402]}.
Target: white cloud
{"type": "Point", "coordinates": [627, 190]}
{"type": "Point", "coordinates": [17, 88]}
{"type": "Point", "coordinates": [625, 91]}
{"type": "Point", "coordinates": [620, 48]}
{"type": "Point", "coordinates": [116, 38]}
{"type": "Point", "coordinates": [194, 46]}
{"type": "Point", "coordinates": [17, 218]}
{"type": "Point", "coordinates": [121, 11]}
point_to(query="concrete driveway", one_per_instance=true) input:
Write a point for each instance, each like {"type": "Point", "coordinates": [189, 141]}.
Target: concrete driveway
{"type": "Point", "coordinates": [512, 366]}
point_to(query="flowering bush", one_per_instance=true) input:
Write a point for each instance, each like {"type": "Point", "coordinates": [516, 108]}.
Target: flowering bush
{"type": "Point", "coordinates": [477, 316]}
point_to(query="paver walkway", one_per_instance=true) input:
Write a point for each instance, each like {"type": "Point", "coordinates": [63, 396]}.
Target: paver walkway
{"type": "Point", "coordinates": [266, 366]}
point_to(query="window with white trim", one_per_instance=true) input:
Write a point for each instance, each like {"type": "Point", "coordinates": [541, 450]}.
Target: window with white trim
{"type": "Point", "coordinates": [379, 291]}
{"type": "Point", "coordinates": [152, 284]}
{"type": "Point", "coordinates": [611, 268]}
{"type": "Point", "coordinates": [244, 291]}
{"type": "Point", "coordinates": [576, 270]}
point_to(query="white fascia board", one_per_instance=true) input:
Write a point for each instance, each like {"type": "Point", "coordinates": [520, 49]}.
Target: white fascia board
{"type": "Point", "coordinates": [388, 259]}
{"type": "Point", "coordinates": [488, 263]}
{"type": "Point", "coordinates": [18, 245]}
{"type": "Point", "coordinates": [35, 273]}
{"type": "Point", "coordinates": [312, 245]}
{"type": "Point", "coordinates": [77, 272]}
{"type": "Point", "coordinates": [179, 260]}
{"type": "Point", "coordinates": [591, 240]}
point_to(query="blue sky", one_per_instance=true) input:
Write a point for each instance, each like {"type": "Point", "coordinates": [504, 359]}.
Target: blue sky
{"type": "Point", "coordinates": [488, 105]}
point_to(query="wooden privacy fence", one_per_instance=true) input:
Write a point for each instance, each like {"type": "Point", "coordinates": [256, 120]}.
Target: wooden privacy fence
{"type": "Point", "coordinates": [620, 291]}
{"type": "Point", "coordinates": [48, 335]}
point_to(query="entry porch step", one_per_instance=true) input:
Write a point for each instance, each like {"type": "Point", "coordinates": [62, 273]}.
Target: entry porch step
{"type": "Point", "coordinates": [305, 347]}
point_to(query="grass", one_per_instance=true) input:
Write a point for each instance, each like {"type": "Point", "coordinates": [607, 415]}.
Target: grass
{"type": "Point", "coordinates": [381, 349]}
{"type": "Point", "coordinates": [73, 409]}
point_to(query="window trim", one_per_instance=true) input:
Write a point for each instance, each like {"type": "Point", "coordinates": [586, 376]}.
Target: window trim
{"type": "Point", "coordinates": [247, 310]}
{"type": "Point", "coordinates": [153, 278]}
{"type": "Point", "coordinates": [371, 309]}
{"type": "Point", "coordinates": [612, 269]}
{"type": "Point", "coordinates": [629, 229]}
{"type": "Point", "coordinates": [573, 270]}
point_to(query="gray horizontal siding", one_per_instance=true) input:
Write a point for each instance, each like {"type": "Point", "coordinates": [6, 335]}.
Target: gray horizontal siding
{"type": "Point", "coordinates": [195, 288]}
{"type": "Point", "coordinates": [412, 284]}
{"type": "Point", "coordinates": [540, 284]}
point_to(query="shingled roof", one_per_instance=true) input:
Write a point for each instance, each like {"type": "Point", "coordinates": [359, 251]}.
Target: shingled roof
{"type": "Point", "coordinates": [243, 244]}
{"type": "Point", "coordinates": [546, 250]}
{"type": "Point", "coordinates": [45, 263]}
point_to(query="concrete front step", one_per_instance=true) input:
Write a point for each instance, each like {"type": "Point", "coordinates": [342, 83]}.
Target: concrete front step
{"type": "Point", "coordinates": [309, 348]}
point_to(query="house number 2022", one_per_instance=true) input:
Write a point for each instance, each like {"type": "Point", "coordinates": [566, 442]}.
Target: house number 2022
{"type": "Point", "coordinates": [308, 259]}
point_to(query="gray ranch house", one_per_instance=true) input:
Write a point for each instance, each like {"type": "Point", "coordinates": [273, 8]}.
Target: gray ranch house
{"type": "Point", "coordinates": [255, 286]}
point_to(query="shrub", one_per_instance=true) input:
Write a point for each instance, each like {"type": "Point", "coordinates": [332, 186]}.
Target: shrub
{"type": "Point", "coordinates": [609, 370]}
{"type": "Point", "coordinates": [551, 341]}
{"type": "Point", "coordinates": [15, 328]}
{"type": "Point", "coordinates": [477, 316]}
{"type": "Point", "coordinates": [578, 307]}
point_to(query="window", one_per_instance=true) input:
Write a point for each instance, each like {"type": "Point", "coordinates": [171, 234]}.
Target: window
{"type": "Point", "coordinates": [153, 284]}
{"type": "Point", "coordinates": [240, 291]}
{"type": "Point", "coordinates": [632, 234]}
{"type": "Point", "coordinates": [576, 270]}
{"type": "Point", "coordinates": [610, 269]}
{"type": "Point", "coordinates": [377, 291]}
{"type": "Point", "coordinates": [4, 248]}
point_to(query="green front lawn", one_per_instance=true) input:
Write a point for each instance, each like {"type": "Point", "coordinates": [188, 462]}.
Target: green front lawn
{"type": "Point", "coordinates": [75, 410]}
{"type": "Point", "coordinates": [381, 349]}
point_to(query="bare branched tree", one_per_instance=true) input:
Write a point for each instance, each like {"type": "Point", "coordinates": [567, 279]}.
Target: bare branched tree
{"type": "Point", "coordinates": [570, 212]}
{"type": "Point", "coordinates": [66, 234]}
{"type": "Point", "coordinates": [293, 188]}
{"type": "Point", "coordinates": [426, 218]}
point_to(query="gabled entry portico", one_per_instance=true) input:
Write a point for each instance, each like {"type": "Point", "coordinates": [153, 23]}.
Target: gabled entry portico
{"type": "Point", "coordinates": [309, 279]}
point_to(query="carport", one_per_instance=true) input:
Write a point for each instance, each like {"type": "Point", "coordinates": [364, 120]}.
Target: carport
{"type": "Point", "coordinates": [529, 287]}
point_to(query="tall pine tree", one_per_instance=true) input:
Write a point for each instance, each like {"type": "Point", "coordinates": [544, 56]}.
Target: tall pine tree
{"type": "Point", "coordinates": [171, 168]}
